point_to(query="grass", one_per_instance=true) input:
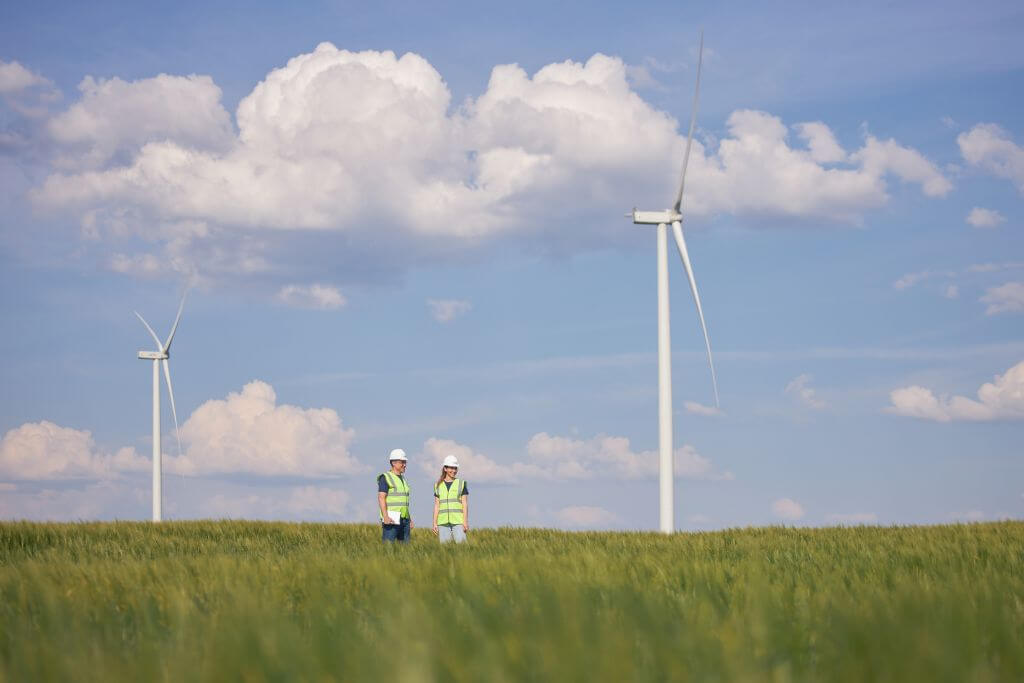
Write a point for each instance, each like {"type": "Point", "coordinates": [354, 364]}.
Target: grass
{"type": "Point", "coordinates": [320, 602]}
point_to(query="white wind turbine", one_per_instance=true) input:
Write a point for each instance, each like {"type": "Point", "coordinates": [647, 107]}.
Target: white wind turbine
{"type": "Point", "coordinates": [662, 219]}
{"type": "Point", "coordinates": [160, 356]}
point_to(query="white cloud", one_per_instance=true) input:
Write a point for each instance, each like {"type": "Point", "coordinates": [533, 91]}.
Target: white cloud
{"type": "Point", "coordinates": [15, 77]}
{"type": "Point", "coordinates": [821, 141]}
{"type": "Point", "coordinates": [564, 458]}
{"type": "Point", "coordinates": [93, 501]}
{"type": "Point", "coordinates": [1006, 298]}
{"type": "Point", "coordinates": [44, 450]}
{"type": "Point", "coordinates": [295, 503]}
{"type": "Point", "coordinates": [323, 297]}
{"type": "Point", "coordinates": [878, 157]}
{"type": "Point", "coordinates": [951, 292]}
{"type": "Point", "coordinates": [367, 144]}
{"type": "Point", "coordinates": [114, 119]}
{"type": "Point", "coordinates": [985, 218]}
{"type": "Point", "coordinates": [990, 148]}
{"type": "Point", "coordinates": [142, 265]}
{"type": "Point", "coordinates": [701, 409]}
{"type": "Point", "coordinates": [586, 516]}
{"type": "Point", "coordinates": [472, 465]}
{"type": "Point", "coordinates": [786, 508]}
{"type": "Point", "coordinates": [611, 456]}
{"type": "Point", "coordinates": [853, 518]}
{"type": "Point", "coordinates": [446, 310]}
{"type": "Point", "coordinates": [800, 389]}
{"type": "Point", "coordinates": [994, 267]}
{"type": "Point", "coordinates": [1002, 399]}
{"type": "Point", "coordinates": [7, 487]}
{"type": "Point", "coordinates": [248, 432]}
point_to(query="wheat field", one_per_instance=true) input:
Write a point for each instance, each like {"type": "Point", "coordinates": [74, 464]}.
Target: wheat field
{"type": "Point", "coordinates": [233, 600]}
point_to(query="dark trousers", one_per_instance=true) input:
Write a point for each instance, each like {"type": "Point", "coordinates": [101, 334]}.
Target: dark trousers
{"type": "Point", "coordinates": [396, 532]}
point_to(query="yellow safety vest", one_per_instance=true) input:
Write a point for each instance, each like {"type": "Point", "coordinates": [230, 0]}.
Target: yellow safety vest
{"type": "Point", "coordinates": [449, 510]}
{"type": "Point", "coordinates": [398, 494]}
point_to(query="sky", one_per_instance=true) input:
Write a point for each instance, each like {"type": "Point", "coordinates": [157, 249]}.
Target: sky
{"type": "Point", "coordinates": [404, 226]}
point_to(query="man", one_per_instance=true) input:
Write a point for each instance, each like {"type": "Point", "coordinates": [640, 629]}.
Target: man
{"type": "Point", "coordinates": [393, 500]}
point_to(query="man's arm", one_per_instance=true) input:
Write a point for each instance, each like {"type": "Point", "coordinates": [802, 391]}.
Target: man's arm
{"type": "Point", "coordinates": [382, 501]}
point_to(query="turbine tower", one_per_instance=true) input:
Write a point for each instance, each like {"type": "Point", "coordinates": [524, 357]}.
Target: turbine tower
{"type": "Point", "coordinates": [663, 219]}
{"type": "Point", "coordinates": [160, 356]}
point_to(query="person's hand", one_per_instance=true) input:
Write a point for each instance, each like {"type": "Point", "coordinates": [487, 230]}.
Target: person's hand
{"type": "Point", "coordinates": [465, 526]}
{"type": "Point", "coordinates": [435, 530]}
{"type": "Point", "coordinates": [410, 524]}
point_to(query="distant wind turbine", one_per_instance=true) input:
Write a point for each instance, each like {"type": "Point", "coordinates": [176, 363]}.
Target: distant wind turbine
{"type": "Point", "coordinates": [662, 219]}
{"type": "Point", "coordinates": [160, 356]}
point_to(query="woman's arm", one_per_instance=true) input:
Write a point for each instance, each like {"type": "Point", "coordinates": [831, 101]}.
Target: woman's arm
{"type": "Point", "coordinates": [465, 512]}
{"type": "Point", "coordinates": [437, 506]}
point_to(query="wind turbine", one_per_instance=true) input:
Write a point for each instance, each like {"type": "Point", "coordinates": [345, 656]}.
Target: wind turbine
{"type": "Point", "coordinates": [160, 356]}
{"type": "Point", "coordinates": [662, 219]}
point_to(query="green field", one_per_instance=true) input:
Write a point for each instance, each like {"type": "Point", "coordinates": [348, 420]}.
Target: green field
{"type": "Point", "coordinates": [319, 602]}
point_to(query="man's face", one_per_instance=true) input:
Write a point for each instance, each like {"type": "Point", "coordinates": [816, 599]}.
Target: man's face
{"type": "Point", "coordinates": [398, 466]}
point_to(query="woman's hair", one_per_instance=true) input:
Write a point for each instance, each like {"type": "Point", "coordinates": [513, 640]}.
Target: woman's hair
{"type": "Point", "coordinates": [440, 478]}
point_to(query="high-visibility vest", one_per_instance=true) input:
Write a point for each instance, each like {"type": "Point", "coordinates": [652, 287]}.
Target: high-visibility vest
{"type": "Point", "coordinates": [449, 509]}
{"type": "Point", "coordinates": [398, 494]}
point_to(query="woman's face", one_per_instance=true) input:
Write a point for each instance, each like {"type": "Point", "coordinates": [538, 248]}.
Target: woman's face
{"type": "Point", "coordinates": [450, 472]}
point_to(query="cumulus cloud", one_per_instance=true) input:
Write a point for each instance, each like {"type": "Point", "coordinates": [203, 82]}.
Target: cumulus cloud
{"type": "Point", "coordinates": [44, 450]}
{"type": "Point", "coordinates": [1002, 399]}
{"type": "Point", "coordinates": [446, 310]}
{"type": "Point", "coordinates": [701, 409]}
{"type": "Point", "coordinates": [248, 432]}
{"type": "Point", "coordinates": [878, 157]}
{"type": "Point", "coordinates": [800, 389]}
{"type": "Point", "coordinates": [367, 145]}
{"type": "Point", "coordinates": [14, 77]}
{"type": "Point", "coordinates": [787, 508]}
{"type": "Point", "coordinates": [990, 148]}
{"type": "Point", "coordinates": [985, 218]}
{"type": "Point", "coordinates": [306, 503]}
{"type": "Point", "coordinates": [476, 465]}
{"type": "Point", "coordinates": [96, 500]}
{"type": "Point", "coordinates": [586, 516]}
{"type": "Point", "coordinates": [114, 119]}
{"type": "Point", "coordinates": [821, 142]}
{"type": "Point", "coordinates": [563, 458]}
{"type": "Point", "coordinates": [323, 297]}
{"type": "Point", "coordinates": [1006, 298]}
{"type": "Point", "coordinates": [853, 518]}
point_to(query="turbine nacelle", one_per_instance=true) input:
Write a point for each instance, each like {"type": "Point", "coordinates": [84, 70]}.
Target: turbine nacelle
{"type": "Point", "coordinates": [656, 217]}
{"type": "Point", "coordinates": [153, 355]}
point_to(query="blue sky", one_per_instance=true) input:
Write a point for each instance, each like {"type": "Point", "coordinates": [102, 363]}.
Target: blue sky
{"type": "Point", "coordinates": [402, 226]}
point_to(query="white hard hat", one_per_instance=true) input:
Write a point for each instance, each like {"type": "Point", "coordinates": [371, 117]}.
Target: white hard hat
{"type": "Point", "coordinates": [398, 454]}
{"type": "Point", "coordinates": [451, 461]}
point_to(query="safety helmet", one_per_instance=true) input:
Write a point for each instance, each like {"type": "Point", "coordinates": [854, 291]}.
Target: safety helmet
{"type": "Point", "coordinates": [398, 454]}
{"type": "Point", "coordinates": [451, 461]}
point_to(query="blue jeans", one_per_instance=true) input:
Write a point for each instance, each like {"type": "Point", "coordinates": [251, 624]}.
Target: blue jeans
{"type": "Point", "coordinates": [451, 532]}
{"type": "Point", "coordinates": [396, 532]}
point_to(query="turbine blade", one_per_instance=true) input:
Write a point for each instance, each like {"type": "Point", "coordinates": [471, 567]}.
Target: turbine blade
{"type": "Point", "coordinates": [170, 337]}
{"type": "Point", "coordinates": [174, 411]}
{"type": "Point", "coordinates": [677, 231]}
{"type": "Point", "coordinates": [151, 332]}
{"type": "Point", "coordinates": [693, 122]}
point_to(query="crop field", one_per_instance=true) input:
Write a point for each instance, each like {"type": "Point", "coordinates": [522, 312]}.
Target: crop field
{"type": "Point", "coordinates": [320, 602]}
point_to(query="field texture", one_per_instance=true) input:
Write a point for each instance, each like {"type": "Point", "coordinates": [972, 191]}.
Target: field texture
{"type": "Point", "coordinates": [318, 602]}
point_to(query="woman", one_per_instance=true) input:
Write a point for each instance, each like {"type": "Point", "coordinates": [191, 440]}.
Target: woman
{"type": "Point", "coordinates": [451, 506]}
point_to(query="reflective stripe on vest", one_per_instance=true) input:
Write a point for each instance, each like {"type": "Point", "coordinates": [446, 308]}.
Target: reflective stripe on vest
{"type": "Point", "coordinates": [449, 506]}
{"type": "Point", "coordinates": [398, 493]}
